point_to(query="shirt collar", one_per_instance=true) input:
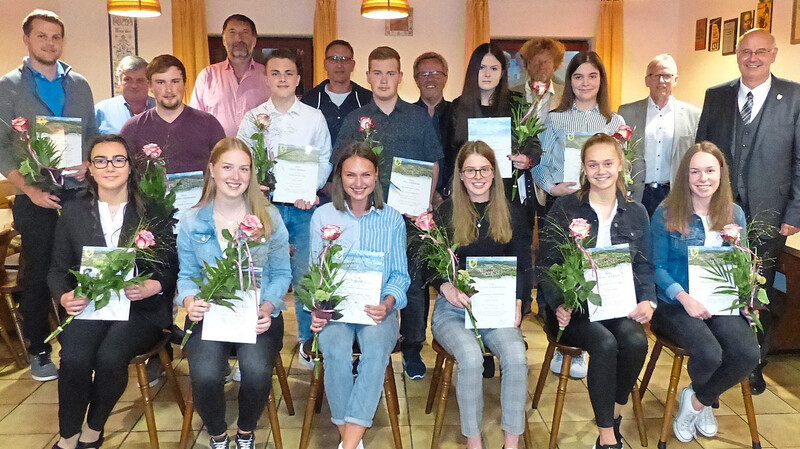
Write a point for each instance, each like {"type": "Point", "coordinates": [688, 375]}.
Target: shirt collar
{"type": "Point", "coordinates": [667, 107]}
{"type": "Point", "coordinates": [61, 73]}
{"type": "Point", "coordinates": [622, 201]}
{"type": "Point", "coordinates": [760, 90]}
{"type": "Point", "coordinates": [294, 109]}
{"type": "Point", "coordinates": [228, 65]}
{"type": "Point", "coordinates": [149, 103]}
{"type": "Point", "coordinates": [596, 108]}
{"type": "Point", "coordinates": [371, 210]}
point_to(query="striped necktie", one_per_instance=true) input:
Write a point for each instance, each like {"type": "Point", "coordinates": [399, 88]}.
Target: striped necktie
{"type": "Point", "coordinates": [747, 109]}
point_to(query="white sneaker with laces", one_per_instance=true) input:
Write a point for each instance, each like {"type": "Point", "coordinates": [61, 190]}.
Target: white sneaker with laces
{"type": "Point", "coordinates": [706, 422]}
{"type": "Point", "coordinates": [684, 424]}
{"type": "Point", "coordinates": [579, 367]}
{"type": "Point", "coordinates": [303, 359]}
{"type": "Point", "coordinates": [555, 364]}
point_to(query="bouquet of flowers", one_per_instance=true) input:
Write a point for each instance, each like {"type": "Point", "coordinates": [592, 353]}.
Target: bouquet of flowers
{"type": "Point", "coordinates": [525, 122]}
{"type": "Point", "coordinates": [39, 159]}
{"type": "Point", "coordinates": [441, 256]}
{"type": "Point", "coordinates": [218, 283]}
{"type": "Point", "coordinates": [110, 277]}
{"type": "Point", "coordinates": [740, 270]}
{"type": "Point", "coordinates": [154, 183]}
{"type": "Point", "coordinates": [263, 158]}
{"type": "Point", "coordinates": [623, 135]}
{"type": "Point", "coordinates": [569, 276]}
{"type": "Point", "coordinates": [366, 126]}
{"type": "Point", "coordinates": [318, 287]}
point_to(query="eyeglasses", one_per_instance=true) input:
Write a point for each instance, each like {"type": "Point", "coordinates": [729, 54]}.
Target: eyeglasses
{"type": "Point", "coordinates": [116, 161]}
{"type": "Point", "coordinates": [662, 76]}
{"type": "Point", "coordinates": [761, 52]}
{"type": "Point", "coordinates": [434, 74]}
{"type": "Point", "coordinates": [340, 59]}
{"type": "Point", "coordinates": [471, 172]}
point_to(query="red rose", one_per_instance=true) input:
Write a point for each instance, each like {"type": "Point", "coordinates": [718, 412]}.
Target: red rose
{"type": "Point", "coordinates": [331, 232]}
{"type": "Point", "coordinates": [624, 133]}
{"type": "Point", "coordinates": [539, 88]}
{"type": "Point", "coordinates": [364, 124]}
{"type": "Point", "coordinates": [424, 221]}
{"type": "Point", "coordinates": [20, 124]}
{"type": "Point", "coordinates": [263, 121]}
{"type": "Point", "coordinates": [731, 232]}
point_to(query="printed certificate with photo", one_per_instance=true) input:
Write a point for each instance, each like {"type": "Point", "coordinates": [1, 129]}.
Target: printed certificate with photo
{"type": "Point", "coordinates": [362, 273]}
{"type": "Point", "coordinates": [119, 307]}
{"type": "Point", "coordinates": [295, 174]}
{"type": "Point", "coordinates": [236, 325]}
{"type": "Point", "coordinates": [495, 304]}
{"type": "Point", "coordinates": [188, 188]}
{"type": "Point", "coordinates": [614, 282]}
{"type": "Point", "coordinates": [66, 134]}
{"type": "Point", "coordinates": [495, 132]}
{"type": "Point", "coordinates": [410, 186]}
{"type": "Point", "coordinates": [573, 143]}
{"type": "Point", "coordinates": [701, 285]}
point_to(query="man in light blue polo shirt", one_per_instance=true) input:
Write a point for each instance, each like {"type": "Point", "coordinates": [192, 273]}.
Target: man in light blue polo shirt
{"type": "Point", "coordinates": [131, 76]}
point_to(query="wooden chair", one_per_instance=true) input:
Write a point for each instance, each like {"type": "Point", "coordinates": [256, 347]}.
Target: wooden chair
{"type": "Point", "coordinates": [140, 362]}
{"type": "Point", "coordinates": [9, 312]}
{"type": "Point", "coordinates": [570, 352]}
{"type": "Point", "coordinates": [675, 377]}
{"type": "Point", "coordinates": [317, 387]}
{"type": "Point", "coordinates": [272, 409]}
{"type": "Point", "coordinates": [440, 382]}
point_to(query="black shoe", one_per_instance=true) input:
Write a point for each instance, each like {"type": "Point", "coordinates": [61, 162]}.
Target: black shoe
{"type": "Point", "coordinates": [617, 424]}
{"type": "Point", "coordinates": [414, 367]}
{"type": "Point", "coordinates": [355, 367]}
{"type": "Point", "coordinates": [488, 367]}
{"type": "Point", "coordinates": [757, 382]}
{"type": "Point", "coordinates": [597, 445]}
{"type": "Point", "coordinates": [93, 445]}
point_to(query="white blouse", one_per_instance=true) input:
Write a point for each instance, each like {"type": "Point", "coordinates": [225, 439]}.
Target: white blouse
{"type": "Point", "coordinates": [604, 226]}
{"type": "Point", "coordinates": [713, 238]}
{"type": "Point", "coordinates": [111, 224]}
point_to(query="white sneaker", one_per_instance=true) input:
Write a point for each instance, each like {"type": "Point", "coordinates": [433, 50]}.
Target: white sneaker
{"type": "Point", "coordinates": [555, 364]}
{"type": "Point", "coordinates": [237, 374]}
{"type": "Point", "coordinates": [579, 366]}
{"type": "Point", "coordinates": [706, 422]}
{"type": "Point", "coordinates": [303, 359]}
{"type": "Point", "coordinates": [684, 424]}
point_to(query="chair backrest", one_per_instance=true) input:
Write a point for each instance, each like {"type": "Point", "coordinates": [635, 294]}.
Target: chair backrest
{"type": "Point", "coordinates": [5, 240]}
{"type": "Point", "coordinates": [7, 193]}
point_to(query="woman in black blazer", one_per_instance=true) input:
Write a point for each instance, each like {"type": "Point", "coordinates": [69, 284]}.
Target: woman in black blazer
{"type": "Point", "coordinates": [95, 354]}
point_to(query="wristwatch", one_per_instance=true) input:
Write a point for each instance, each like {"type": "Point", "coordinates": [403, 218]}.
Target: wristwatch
{"type": "Point", "coordinates": [654, 304]}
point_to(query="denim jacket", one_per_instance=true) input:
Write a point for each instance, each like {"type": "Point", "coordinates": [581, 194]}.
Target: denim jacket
{"type": "Point", "coordinates": [630, 225]}
{"type": "Point", "coordinates": [198, 243]}
{"type": "Point", "coordinates": [671, 253]}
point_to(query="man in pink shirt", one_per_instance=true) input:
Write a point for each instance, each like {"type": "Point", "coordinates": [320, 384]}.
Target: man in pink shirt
{"type": "Point", "coordinates": [228, 89]}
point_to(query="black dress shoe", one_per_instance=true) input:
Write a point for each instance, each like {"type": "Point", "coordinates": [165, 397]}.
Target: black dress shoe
{"type": "Point", "coordinates": [757, 382]}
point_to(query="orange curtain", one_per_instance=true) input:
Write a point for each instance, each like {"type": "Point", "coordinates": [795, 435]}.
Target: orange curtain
{"type": "Point", "coordinates": [325, 30]}
{"type": "Point", "coordinates": [477, 26]}
{"type": "Point", "coordinates": [190, 39]}
{"type": "Point", "coordinates": [610, 32]}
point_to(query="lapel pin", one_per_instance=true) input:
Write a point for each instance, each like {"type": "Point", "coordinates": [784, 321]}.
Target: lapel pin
{"type": "Point", "coordinates": [779, 96]}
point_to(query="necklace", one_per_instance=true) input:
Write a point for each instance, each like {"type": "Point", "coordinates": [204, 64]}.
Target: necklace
{"type": "Point", "coordinates": [480, 220]}
{"type": "Point", "coordinates": [227, 218]}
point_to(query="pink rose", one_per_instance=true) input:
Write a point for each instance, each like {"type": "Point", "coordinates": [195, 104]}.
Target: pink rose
{"type": "Point", "coordinates": [144, 239]}
{"type": "Point", "coordinates": [263, 121]}
{"type": "Point", "coordinates": [152, 150]}
{"type": "Point", "coordinates": [424, 221]}
{"type": "Point", "coordinates": [250, 226]}
{"type": "Point", "coordinates": [331, 232]}
{"type": "Point", "coordinates": [579, 228]}
{"type": "Point", "coordinates": [364, 124]}
{"type": "Point", "coordinates": [539, 88]}
{"type": "Point", "coordinates": [20, 124]}
{"type": "Point", "coordinates": [731, 232]}
{"type": "Point", "coordinates": [624, 133]}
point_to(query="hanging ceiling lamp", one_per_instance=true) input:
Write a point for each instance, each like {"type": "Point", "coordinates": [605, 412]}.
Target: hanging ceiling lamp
{"type": "Point", "coordinates": [134, 8]}
{"type": "Point", "coordinates": [384, 9]}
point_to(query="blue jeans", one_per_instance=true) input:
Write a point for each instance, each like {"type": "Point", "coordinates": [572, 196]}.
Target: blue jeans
{"type": "Point", "coordinates": [356, 402]}
{"type": "Point", "coordinates": [298, 223]}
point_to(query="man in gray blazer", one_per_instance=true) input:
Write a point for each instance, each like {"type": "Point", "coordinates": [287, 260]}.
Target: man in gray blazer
{"type": "Point", "coordinates": [755, 121]}
{"type": "Point", "coordinates": [665, 128]}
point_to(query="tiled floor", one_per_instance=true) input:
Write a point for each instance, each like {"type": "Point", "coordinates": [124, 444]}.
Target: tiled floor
{"type": "Point", "coordinates": [28, 409]}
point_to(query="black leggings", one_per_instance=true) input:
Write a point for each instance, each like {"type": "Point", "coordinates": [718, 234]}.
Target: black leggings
{"type": "Point", "coordinates": [723, 350]}
{"type": "Point", "coordinates": [617, 350]}
{"type": "Point", "coordinates": [105, 348]}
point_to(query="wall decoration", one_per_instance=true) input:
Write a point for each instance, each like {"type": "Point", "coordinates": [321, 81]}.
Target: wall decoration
{"type": "Point", "coordinates": [746, 21]}
{"type": "Point", "coordinates": [714, 33]}
{"type": "Point", "coordinates": [795, 39]}
{"type": "Point", "coordinates": [401, 27]}
{"type": "Point", "coordinates": [729, 36]}
{"type": "Point", "coordinates": [123, 41]}
{"type": "Point", "coordinates": [764, 15]}
{"type": "Point", "coordinates": [700, 34]}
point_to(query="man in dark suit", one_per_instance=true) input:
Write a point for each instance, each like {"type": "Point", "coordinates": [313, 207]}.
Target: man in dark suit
{"type": "Point", "coordinates": [755, 121]}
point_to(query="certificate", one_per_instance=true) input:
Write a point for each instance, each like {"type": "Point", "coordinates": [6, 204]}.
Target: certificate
{"type": "Point", "coordinates": [66, 135]}
{"type": "Point", "coordinates": [295, 174]}
{"type": "Point", "coordinates": [362, 276]}
{"type": "Point", "coordinates": [614, 283]}
{"type": "Point", "coordinates": [495, 132]}
{"type": "Point", "coordinates": [237, 325]}
{"type": "Point", "coordinates": [119, 306]}
{"type": "Point", "coordinates": [573, 144]}
{"type": "Point", "coordinates": [702, 287]}
{"type": "Point", "coordinates": [410, 186]}
{"type": "Point", "coordinates": [495, 304]}
{"type": "Point", "coordinates": [188, 188]}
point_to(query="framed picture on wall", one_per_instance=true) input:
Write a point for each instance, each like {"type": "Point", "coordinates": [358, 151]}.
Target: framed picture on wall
{"type": "Point", "coordinates": [729, 36]}
{"type": "Point", "coordinates": [764, 15]}
{"type": "Point", "coordinates": [700, 34]}
{"type": "Point", "coordinates": [795, 39]}
{"type": "Point", "coordinates": [714, 33]}
{"type": "Point", "coordinates": [401, 27]}
{"type": "Point", "coordinates": [746, 21]}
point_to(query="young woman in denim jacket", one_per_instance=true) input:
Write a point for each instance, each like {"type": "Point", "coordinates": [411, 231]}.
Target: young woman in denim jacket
{"type": "Point", "coordinates": [230, 191]}
{"type": "Point", "coordinates": [617, 348]}
{"type": "Point", "coordinates": [722, 349]}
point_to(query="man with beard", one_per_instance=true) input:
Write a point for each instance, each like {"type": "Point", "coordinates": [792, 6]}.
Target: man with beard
{"type": "Point", "coordinates": [230, 88]}
{"type": "Point", "coordinates": [185, 135]}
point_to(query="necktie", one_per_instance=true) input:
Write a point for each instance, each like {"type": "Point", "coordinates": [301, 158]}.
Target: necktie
{"type": "Point", "coordinates": [747, 109]}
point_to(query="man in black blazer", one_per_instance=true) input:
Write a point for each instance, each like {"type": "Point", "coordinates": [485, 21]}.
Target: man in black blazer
{"type": "Point", "coordinates": [755, 121]}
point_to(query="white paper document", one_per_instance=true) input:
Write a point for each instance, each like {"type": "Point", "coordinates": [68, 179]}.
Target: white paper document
{"type": "Point", "coordinates": [410, 186]}
{"type": "Point", "coordinates": [237, 325]}
{"type": "Point", "coordinates": [495, 132]}
{"type": "Point", "coordinates": [614, 282]}
{"type": "Point", "coordinates": [66, 134]}
{"type": "Point", "coordinates": [573, 143]}
{"type": "Point", "coordinates": [362, 272]}
{"type": "Point", "coordinates": [295, 173]}
{"type": "Point", "coordinates": [701, 287]}
{"type": "Point", "coordinates": [119, 307]}
{"type": "Point", "coordinates": [188, 188]}
{"type": "Point", "coordinates": [495, 304]}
